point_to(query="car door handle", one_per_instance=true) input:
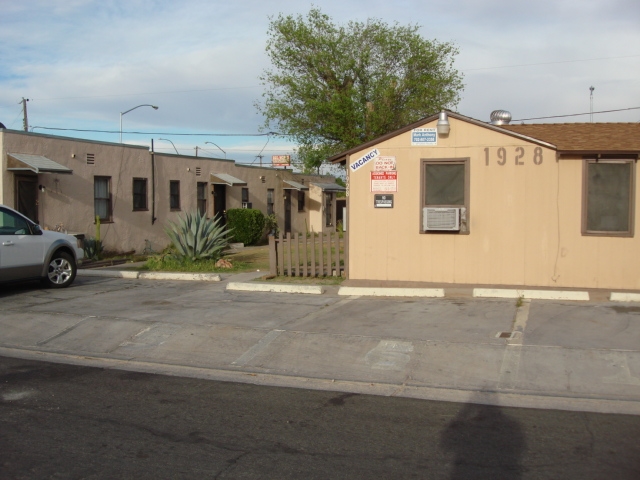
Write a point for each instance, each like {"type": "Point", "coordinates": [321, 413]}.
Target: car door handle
{"type": "Point", "coordinates": [7, 243]}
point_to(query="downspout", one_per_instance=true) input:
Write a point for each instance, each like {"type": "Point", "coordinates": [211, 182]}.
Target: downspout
{"type": "Point", "coordinates": [153, 185]}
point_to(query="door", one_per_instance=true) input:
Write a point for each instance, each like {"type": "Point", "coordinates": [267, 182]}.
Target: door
{"type": "Point", "coordinates": [220, 202]}
{"type": "Point", "coordinates": [27, 196]}
{"type": "Point", "coordinates": [287, 211]}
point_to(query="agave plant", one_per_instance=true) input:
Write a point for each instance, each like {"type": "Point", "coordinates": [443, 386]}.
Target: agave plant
{"type": "Point", "coordinates": [196, 236]}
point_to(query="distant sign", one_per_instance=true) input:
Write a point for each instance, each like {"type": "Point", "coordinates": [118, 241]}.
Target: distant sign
{"type": "Point", "coordinates": [383, 201]}
{"type": "Point", "coordinates": [384, 181]}
{"type": "Point", "coordinates": [384, 164]}
{"type": "Point", "coordinates": [424, 137]}
{"type": "Point", "coordinates": [281, 160]}
{"type": "Point", "coordinates": [364, 160]}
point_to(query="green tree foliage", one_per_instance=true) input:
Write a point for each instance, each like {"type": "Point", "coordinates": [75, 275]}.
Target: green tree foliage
{"type": "Point", "coordinates": [247, 224]}
{"type": "Point", "coordinates": [197, 237]}
{"type": "Point", "coordinates": [332, 87]}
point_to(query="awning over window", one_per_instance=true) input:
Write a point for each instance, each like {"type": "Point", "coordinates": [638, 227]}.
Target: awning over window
{"type": "Point", "coordinates": [226, 179]}
{"type": "Point", "coordinates": [34, 163]}
{"type": "Point", "coordinates": [330, 187]}
{"type": "Point", "coordinates": [291, 185]}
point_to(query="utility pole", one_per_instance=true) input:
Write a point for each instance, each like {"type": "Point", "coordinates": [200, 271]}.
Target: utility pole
{"type": "Point", "coordinates": [260, 157]}
{"type": "Point", "coordinates": [25, 121]}
{"type": "Point", "coordinates": [591, 89]}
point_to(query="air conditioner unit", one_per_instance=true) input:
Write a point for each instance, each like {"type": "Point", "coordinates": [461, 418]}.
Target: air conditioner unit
{"type": "Point", "coordinates": [247, 205]}
{"type": "Point", "coordinates": [441, 219]}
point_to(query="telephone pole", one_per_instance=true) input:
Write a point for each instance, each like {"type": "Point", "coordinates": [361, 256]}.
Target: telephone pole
{"type": "Point", "coordinates": [25, 121]}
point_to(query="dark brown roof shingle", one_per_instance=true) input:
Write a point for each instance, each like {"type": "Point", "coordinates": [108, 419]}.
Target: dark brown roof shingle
{"type": "Point", "coordinates": [584, 137]}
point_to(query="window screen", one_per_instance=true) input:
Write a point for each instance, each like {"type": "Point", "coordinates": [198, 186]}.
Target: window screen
{"type": "Point", "coordinates": [139, 193]}
{"type": "Point", "coordinates": [609, 194]}
{"type": "Point", "coordinates": [444, 184]}
{"type": "Point", "coordinates": [102, 197]}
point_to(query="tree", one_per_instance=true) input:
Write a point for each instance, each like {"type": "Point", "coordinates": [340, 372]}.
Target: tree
{"type": "Point", "coordinates": [332, 87]}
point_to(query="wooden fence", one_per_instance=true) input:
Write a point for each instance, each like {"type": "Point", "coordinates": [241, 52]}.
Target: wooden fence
{"type": "Point", "coordinates": [308, 255]}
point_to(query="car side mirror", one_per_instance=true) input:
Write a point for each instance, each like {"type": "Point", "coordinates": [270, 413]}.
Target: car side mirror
{"type": "Point", "coordinates": [37, 230]}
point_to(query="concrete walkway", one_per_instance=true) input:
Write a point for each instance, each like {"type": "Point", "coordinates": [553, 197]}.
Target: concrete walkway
{"type": "Point", "coordinates": [515, 351]}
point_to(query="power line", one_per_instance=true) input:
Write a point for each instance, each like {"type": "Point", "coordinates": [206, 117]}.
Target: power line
{"type": "Point", "coordinates": [547, 63]}
{"type": "Point", "coordinates": [575, 114]}
{"type": "Point", "coordinates": [166, 133]}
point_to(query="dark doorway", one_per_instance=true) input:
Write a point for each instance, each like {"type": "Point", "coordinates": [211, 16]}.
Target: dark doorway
{"type": "Point", "coordinates": [341, 204]}
{"type": "Point", "coordinates": [287, 211]}
{"type": "Point", "coordinates": [27, 196]}
{"type": "Point", "coordinates": [220, 202]}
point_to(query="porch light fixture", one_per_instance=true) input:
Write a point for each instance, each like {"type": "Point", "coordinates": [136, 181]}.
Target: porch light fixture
{"type": "Point", "coordinates": [443, 125]}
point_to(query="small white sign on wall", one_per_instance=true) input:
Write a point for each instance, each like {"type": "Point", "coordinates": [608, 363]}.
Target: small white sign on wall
{"type": "Point", "coordinates": [424, 137]}
{"type": "Point", "coordinates": [384, 164]}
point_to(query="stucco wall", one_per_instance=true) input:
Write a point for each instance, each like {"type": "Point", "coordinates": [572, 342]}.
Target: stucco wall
{"type": "Point", "coordinates": [68, 199]}
{"type": "Point", "coordinates": [524, 220]}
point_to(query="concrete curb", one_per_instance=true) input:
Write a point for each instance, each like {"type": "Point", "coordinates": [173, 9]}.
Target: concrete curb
{"type": "Point", "coordinates": [624, 297]}
{"type": "Point", "coordinates": [199, 277]}
{"type": "Point", "coordinates": [392, 292]}
{"type": "Point", "coordinates": [530, 294]}
{"type": "Point", "coordinates": [423, 392]}
{"type": "Point", "coordinates": [275, 288]}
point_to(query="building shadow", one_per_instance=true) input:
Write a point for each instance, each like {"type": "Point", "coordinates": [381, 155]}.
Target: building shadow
{"type": "Point", "coordinates": [485, 443]}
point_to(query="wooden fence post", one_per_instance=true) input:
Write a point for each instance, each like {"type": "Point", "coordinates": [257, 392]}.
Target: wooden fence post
{"type": "Point", "coordinates": [313, 254]}
{"type": "Point", "coordinates": [273, 260]}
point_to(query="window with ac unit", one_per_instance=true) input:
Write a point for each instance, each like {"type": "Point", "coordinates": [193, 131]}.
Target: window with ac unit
{"type": "Point", "coordinates": [608, 197]}
{"type": "Point", "coordinates": [445, 196]}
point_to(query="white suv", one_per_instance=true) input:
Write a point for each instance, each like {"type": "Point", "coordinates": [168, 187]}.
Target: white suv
{"type": "Point", "coordinates": [27, 252]}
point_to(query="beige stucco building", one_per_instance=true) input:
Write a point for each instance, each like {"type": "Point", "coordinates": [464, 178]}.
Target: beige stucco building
{"type": "Point", "coordinates": [62, 183]}
{"type": "Point", "coordinates": [550, 205]}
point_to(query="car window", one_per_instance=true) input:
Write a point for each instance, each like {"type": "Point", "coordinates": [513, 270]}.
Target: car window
{"type": "Point", "coordinates": [12, 224]}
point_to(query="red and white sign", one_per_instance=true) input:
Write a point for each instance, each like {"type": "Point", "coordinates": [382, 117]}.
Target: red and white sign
{"type": "Point", "coordinates": [281, 160]}
{"type": "Point", "coordinates": [384, 181]}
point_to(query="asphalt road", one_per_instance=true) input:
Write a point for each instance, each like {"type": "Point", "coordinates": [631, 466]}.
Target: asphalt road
{"type": "Point", "coordinates": [63, 421]}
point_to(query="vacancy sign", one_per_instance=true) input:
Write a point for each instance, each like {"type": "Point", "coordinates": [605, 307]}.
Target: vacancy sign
{"type": "Point", "coordinates": [384, 181]}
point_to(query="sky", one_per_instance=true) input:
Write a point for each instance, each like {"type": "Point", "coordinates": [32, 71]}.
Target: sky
{"type": "Point", "coordinates": [81, 63]}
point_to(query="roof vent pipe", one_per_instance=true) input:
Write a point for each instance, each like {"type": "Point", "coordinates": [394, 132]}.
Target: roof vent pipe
{"type": "Point", "coordinates": [500, 117]}
{"type": "Point", "coordinates": [443, 125]}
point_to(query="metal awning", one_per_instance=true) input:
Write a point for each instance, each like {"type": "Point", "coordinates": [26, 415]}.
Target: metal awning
{"type": "Point", "coordinates": [34, 163]}
{"type": "Point", "coordinates": [226, 179]}
{"type": "Point", "coordinates": [330, 187]}
{"type": "Point", "coordinates": [291, 185]}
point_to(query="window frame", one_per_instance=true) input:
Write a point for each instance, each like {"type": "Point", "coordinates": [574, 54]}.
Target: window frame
{"type": "Point", "coordinates": [201, 202]}
{"type": "Point", "coordinates": [108, 200]}
{"type": "Point", "coordinates": [144, 195]}
{"type": "Point", "coordinates": [245, 195]}
{"type": "Point", "coordinates": [174, 198]}
{"type": "Point", "coordinates": [301, 201]}
{"type": "Point", "coordinates": [271, 196]}
{"type": "Point", "coordinates": [621, 159]}
{"type": "Point", "coordinates": [464, 223]}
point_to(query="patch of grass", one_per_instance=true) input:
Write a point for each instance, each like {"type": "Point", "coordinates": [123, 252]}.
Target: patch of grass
{"type": "Point", "coordinates": [170, 263]}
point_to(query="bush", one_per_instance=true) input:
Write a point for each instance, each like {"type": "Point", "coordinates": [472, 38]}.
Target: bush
{"type": "Point", "coordinates": [247, 225]}
{"type": "Point", "coordinates": [197, 237]}
{"type": "Point", "coordinates": [92, 248]}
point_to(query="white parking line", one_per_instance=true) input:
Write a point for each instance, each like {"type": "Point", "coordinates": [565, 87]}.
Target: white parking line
{"type": "Point", "coordinates": [513, 351]}
{"type": "Point", "coordinates": [264, 342]}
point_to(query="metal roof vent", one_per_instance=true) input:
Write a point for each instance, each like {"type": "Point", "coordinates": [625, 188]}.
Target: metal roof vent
{"type": "Point", "coordinates": [500, 117]}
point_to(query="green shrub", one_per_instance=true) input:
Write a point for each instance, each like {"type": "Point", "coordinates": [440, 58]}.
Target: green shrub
{"type": "Point", "coordinates": [247, 225]}
{"type": "Point", "coordinates": [92, 248]}
{"type": "Point", "coordinates": [271, 225]}
{"type": "Point", "coordinates": [197, 237]}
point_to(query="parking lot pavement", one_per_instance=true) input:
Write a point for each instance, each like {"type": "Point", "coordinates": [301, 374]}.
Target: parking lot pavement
{"type": "Point", "coordinates": [534, 353]}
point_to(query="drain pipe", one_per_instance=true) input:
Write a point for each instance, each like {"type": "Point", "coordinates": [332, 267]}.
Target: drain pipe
{"type": "Point", "coordinates": [153, 185]}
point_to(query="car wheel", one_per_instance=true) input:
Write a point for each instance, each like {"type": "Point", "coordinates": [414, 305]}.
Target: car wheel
{"type": "Point", "coordinates": [61, 271]}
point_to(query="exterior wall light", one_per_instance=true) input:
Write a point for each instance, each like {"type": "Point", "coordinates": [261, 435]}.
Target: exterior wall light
{"type": "Point", "coordinates": [443, 125]}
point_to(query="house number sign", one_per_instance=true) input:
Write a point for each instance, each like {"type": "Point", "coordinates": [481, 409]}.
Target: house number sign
{"type": "Point", "coordinates": [517, 155]}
